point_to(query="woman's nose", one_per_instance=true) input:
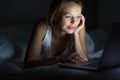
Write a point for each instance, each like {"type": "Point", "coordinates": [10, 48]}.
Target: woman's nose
{"type": "Point", "coordinates": [73, 20]}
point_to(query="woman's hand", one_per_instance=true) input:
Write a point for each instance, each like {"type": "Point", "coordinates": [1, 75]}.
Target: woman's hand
{"type": "Point", "coordinates": [81, 25]}
{"type": "Point", "coordinates": [77, 58]}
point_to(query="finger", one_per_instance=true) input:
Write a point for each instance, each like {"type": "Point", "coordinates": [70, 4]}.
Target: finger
{"type": "Point", "coordinates": [84, 59]}
{"type": "Point", "coordinates": [73, 60]}
{"type": "Point", "coordinates": [73, 55]}
{"type": "Point", "coordinates": [77, 58]}
{"type": "Point", "coordinates": [82, 17]}
{"type": "Point", "coordinates": [80, 58]}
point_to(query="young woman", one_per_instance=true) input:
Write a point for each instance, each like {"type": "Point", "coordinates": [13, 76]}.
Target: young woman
{"type": "Point", "coordinates": [60, 37]}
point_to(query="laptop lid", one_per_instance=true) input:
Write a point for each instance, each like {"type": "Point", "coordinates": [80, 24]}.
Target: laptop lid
{"type": "Point", "coordinates": [111, 54]}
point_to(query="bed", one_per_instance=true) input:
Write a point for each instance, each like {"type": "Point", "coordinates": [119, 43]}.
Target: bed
{"type": "Point", "coordinates": [14, 39]}
{"type": "Point", "coordinates": [17, 18]}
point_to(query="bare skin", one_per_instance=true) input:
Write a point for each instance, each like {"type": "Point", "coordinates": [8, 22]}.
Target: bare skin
{"type": "Point", "coordinates": [72, 23]}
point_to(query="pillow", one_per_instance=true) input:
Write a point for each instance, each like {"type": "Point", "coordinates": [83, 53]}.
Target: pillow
{"type": "Point", "coordinates": [91, 48]}
{"type": "Point", "coordinates": [6, 49]}
{"type": "Point", "coordinates": [90, 44]}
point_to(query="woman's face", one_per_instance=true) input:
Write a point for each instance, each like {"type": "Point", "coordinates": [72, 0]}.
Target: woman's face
{"type": "Point", "coordinates": [71, 18]}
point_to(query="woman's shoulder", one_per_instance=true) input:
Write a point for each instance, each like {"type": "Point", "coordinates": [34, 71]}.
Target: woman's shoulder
{"type": "Point", "coordinates": [41, 26]}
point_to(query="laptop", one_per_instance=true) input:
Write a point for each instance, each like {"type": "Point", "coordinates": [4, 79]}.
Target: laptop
{"type": "Point", "coordinates": [110, 56]}
{"type": "Point", "coordinates": [91, 65]}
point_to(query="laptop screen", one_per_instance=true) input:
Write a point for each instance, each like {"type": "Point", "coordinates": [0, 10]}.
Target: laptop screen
{"type": "Point", "coordinates": [111, 53]}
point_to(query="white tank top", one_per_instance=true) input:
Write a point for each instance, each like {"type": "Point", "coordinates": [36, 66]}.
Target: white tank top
{"type": "Point", "coordinates": [46, 46]}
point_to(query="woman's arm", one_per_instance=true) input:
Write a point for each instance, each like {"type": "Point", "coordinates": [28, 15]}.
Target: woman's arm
{"type": "Point", "coordinates": [80, 53]}
{"type": "Point", "coordinates": [80, 39]}
{"type": "Point", "coordinates": [38, 63]}
{"type": "Point", "coordinates": [35, 44]}
{"type": "Point", "coordinates": [80, 43]}
{"type": "Point", "coordinates": [32, 58]}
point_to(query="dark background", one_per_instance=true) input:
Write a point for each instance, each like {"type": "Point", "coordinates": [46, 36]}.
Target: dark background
{"type": "Point", "coordinates": [100, 15]}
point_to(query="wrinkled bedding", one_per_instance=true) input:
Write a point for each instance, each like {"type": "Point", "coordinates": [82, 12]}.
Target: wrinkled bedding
{"type": "Point", "coordinates": [13, 44]}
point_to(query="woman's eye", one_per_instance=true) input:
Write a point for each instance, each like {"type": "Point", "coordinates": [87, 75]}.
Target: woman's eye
{"type": "Point", "coordinates": [67, 16]}
{"type": "Point", "coordinates": [78, 16]}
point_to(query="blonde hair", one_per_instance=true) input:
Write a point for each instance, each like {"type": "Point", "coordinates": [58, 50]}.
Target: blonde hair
{"type": "Point", "coordinates": [56, 9]}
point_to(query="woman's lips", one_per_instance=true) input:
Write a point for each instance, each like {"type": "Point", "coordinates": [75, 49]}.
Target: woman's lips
{"type": "Point", "coordinates": [71, 28]}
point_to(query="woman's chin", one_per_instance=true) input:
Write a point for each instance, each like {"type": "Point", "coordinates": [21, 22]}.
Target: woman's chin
{"type": "Point", "coordinates": [70, 32]}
